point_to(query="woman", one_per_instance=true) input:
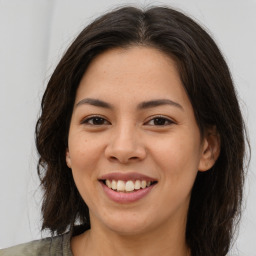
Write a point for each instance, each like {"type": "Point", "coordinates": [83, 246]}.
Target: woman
{"type": "Point", "coordinates": [141, 142]}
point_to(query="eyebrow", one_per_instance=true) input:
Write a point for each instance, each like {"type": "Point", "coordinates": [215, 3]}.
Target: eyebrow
{"type": "Point", "coordinates": [94, 102]}
{"type": "Point", "coordinates": [158, 102]}
{"type": "Point", "coordinates": [142, 105]}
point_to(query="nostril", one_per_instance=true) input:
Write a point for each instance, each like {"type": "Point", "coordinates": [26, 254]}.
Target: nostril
{"type": "Point", "coordinates": [123, 159]}
{"type": "Point", "coordinates": [113, 158]}
{"type": "Point", "coordinates": [125, 151]}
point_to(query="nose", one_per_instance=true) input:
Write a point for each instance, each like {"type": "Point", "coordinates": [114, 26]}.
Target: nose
{"type": "Point", "coordinates": [125, 146]}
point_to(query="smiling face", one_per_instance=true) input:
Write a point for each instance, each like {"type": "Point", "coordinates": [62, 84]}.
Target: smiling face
{"type": "Point", "coordinates": [132, 120]}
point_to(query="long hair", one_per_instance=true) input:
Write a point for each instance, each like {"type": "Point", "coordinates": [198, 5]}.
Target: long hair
{"type": "Point", "coordinates": [216, 196]}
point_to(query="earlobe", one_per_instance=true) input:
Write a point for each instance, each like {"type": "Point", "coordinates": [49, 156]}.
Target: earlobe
{"type": "Point", "coordinates": [210, 149]}
{"type": "Point", "coordinates": [68, 159]}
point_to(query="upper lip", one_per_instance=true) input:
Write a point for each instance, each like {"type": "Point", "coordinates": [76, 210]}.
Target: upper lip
{"type": "Point", "coordinates": [126, 176]}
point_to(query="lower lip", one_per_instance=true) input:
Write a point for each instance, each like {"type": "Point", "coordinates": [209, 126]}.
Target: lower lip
{"type": "Point", "coordinates": [123, 197]}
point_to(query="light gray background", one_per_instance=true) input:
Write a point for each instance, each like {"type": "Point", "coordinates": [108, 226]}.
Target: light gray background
{"type": "Point", "coordinates": [33, 37]}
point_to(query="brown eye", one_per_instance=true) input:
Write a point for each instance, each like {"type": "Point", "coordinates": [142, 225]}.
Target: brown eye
{"type": "Point", "coordinates": [95, 120]}
{"type": "Point", "coordinates": [160, 121]}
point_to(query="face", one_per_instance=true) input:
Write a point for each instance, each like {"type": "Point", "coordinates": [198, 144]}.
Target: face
{"type": "Point", "coordinates": [133, 126]}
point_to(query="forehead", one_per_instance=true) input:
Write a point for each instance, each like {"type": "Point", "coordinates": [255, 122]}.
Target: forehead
{"type": "Point", "coordinates": [137, 73]}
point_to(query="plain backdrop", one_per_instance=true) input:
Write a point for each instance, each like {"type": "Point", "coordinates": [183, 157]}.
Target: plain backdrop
{"type": "Point", "coordinates": [33, 36]}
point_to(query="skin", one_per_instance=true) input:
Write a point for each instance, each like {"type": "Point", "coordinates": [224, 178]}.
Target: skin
{"type": "Point", "coordinates": [128, 139]}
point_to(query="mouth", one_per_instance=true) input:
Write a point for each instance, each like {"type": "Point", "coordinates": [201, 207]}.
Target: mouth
{"type": "Point", "coordinates": [128, 186]}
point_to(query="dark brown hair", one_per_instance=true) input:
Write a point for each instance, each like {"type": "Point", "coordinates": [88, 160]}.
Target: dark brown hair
{"type": "Point", "coordinates": [217, 194]}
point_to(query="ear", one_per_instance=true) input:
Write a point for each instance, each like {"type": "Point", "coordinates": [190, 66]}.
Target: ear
{"type": "Point", "coordinates": [210, 149]}
{"type": "Point", "coordinates": [68, 159]}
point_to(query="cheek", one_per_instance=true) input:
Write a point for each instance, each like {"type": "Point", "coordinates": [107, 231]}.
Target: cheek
{"type": "Point", "coordinates": [178, 155]}
{"type": "Point", "coordinates": [83, 153]}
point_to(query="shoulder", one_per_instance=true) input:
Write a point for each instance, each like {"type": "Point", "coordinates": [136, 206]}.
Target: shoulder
{"type": "Point", "coordinates": [57, 246]}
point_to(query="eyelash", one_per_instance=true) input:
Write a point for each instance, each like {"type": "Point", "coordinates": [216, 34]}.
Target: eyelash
{"type": "Point", "coordinates": [161, 118]}
{"type": "Point", "coordinates": [102, 119]}
{"type": "Point", "coordinates": [93, 118]}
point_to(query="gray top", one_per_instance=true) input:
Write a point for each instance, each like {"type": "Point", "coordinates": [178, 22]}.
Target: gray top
{"type": "Point", "coordinates": [52, 246]}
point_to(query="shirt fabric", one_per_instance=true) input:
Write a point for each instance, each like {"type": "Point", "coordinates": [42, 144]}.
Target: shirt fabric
{"type": "Point", "coordinates": [51, 246]}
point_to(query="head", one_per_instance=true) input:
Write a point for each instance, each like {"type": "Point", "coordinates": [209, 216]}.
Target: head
{"type": "Point", "coordinates": [216, 193]}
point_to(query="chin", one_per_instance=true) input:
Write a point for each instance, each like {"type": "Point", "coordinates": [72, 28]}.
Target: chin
{"type": "Point", "coordinates": [128, 230]}
{"type": "Point", "coordinates": [126, 224]}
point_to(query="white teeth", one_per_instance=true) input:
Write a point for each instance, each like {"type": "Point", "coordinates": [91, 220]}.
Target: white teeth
{"type": "Point", "coordinates": [143, 184]}
{"type": "Point", "coordinates": [127, 186]}
{"type": "Point", "coordinates": [108, 183]}
{"type": "Point", "coordinates": [120, 186]}
{"type": "Point", "coordinates": [113, 184]}
{"type": "Point", "coordinates": [137, 184]}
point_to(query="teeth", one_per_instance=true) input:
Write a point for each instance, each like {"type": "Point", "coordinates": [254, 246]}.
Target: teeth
{"type": "Point", "coordinates": [108, 183]}
{"type": "Point", "coordinates": [113, 184]}
{"type": "Point", "coordinates": [120, 186]}
{"type": "Point", "coordinates": [137, 184]}
{"type": "Point", "coordinates": [143, 184]}
{"type": "Point", "coordinates": [127, 186]}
